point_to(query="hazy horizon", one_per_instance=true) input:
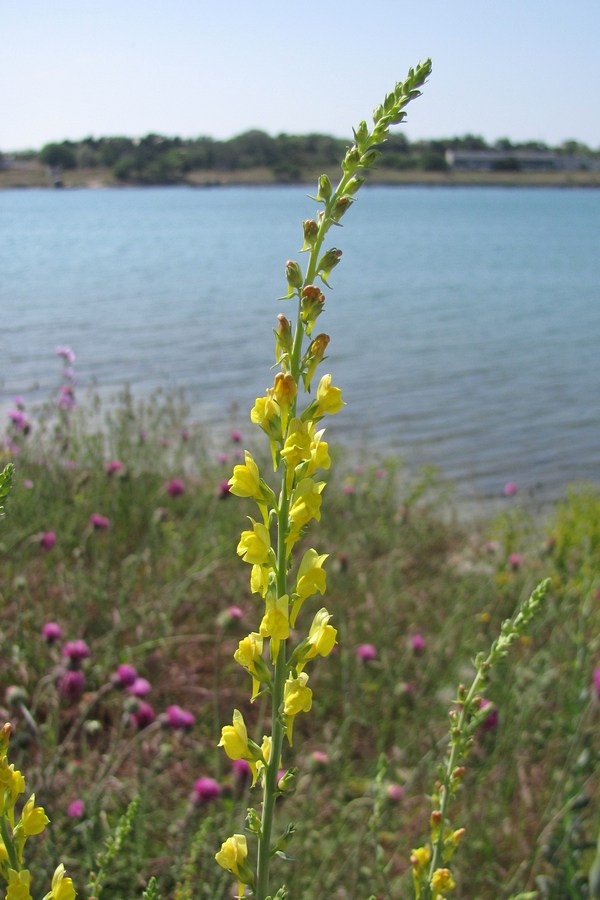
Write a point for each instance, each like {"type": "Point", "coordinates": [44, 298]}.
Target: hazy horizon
{"type": "Point", "coordinates": [527, 72]}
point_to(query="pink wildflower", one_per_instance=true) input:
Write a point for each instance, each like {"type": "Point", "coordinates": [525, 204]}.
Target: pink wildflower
{"type": "Point", "coordinates": [175, 487]}
{"type": "Point", "coordinates": [418, 643]}
{"type": "Point", "coordinates": [27, 484]}
{"type": "Point", "coordinates": [140, 687]}
{"type": "Point", "coordinates": [222, 458]}
{"type": "Point", "coordinates": [514, 561]}
{"type": "Point", "coordinates": [75, 809]}
{"type": "Point", "coordinates": [491, 721]}
{"type": "Point", "coordinates": [206, 789]}
{"type": "Point", "coordinates": [71, 684]}
{"type": "Point", "coordinates": [241, 769]}
{"type": "Point", "coordinates": [99, 522]}
{"type": "Point", "coordinates": [224, 489]}
{"type": "Point", "coordinates": [51, 632]}
{"type": "Point", "coordinates": [115, 465]}
{"type": "Point", "coordinates": [179, 718]}
{"type": "Point", "coordinates": [76, 650]}
{"type": "Point", "coordinates": [236, 436]}
{"type": "Point", "coordinates": [48, 540]}
{"type": "Point", "coordinates": [395, 792]}
{"type": "Point", "coordinates": [19, 420]}
{"type": "Point", "coordinates": [144, 715]}
{"type": "Point", "coordinates": [235, 612]}
{"type": "Point", "coordinates": [125, 676]}
{"type": "Point", "coordinates": [366, 652]}
{"type": "Point", "coordinates": [510, 489]}
{"type": "Point", "coordinates": [66, 353]}
{"type": "Point", "coordinates": [320, 758]}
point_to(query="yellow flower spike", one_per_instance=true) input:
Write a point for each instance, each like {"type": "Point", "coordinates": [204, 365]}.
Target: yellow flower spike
{"type": "Point", "coordinates": [329, 398]}
{"type": "Point", "coordinates": [276, 623]}
{"type": "Point", "coordinates": [33, 817]}
{"type": "Point", "coordinates": [234, 738]}
{"type": "Point", "coordinates": [310, 579]}
{"type": "Point", "coordinates": [442, 881]}
{"type": "Point", "coordinates": [232, 857]}
{"type": "Point", "coordinates": [245, 481]}
{"type": "Point", "coordinates": [12, 784]}
{"type": "Point", "coordinates": [18, 885]}
{"type": "Point", "coordinates": [420, 858]}
{"type": "Point", "coordinates": [248, 654]}
{"type": "Point", "coordinates": [255, 546]}
{"type": "Point", "coordinates": [62, 888]}
{"type": "Point", "coordinates": [297, 697]}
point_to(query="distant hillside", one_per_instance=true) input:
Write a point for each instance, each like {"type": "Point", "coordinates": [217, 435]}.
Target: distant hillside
{"type": "Point", "coordinates": [156, 159]}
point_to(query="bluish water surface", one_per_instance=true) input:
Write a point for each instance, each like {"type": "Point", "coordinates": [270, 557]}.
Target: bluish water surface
{"type": "Point", "coordinates": [465, 322]}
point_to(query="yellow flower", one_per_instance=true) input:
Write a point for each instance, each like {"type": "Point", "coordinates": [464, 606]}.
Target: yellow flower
{"type": "Point", "coordinates": [321, 637]}
{"type": "Point", "coordinates": [297, 445]}
{"type": "Point", "coordinates": [232, 857]}
{"type": "Point", "coordinates": [62, 888]}
{"type": "Point", "coordinates": [245, 481]}
{"type": "Point", "coordinates": [420, 857]}
{"type": "Point", "coordinates": [248, 654]}
{"type": "Point", "coordinates": [33, 817]}
{"type": "Point", "coordinates": [319, 453]}
{"type": "Point", "coordinates": [307, 502]}
{"type": "Point", "coordinates": [234, 738]}
{"type": "Point", "coordinates": [297, 697]}
{"type": "Point", "coordinates": [12, 784]}
{"type": "Point", "coordinates": [259, 579]}
{"type": "Point", "coordinates": [18, 885]}
{"type": "Point", "coordinates": [329, 398]}
{"type": "Point", "coordinates": [276, 623]}
{"type": "Point", "coordinates": [255, 546]}
{"type": "Point", "coordinates": [284, 391]}
{"type": "Point", "coordinates": [442, 881]}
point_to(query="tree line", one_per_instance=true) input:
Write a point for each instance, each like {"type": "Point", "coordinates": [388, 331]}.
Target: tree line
{"type": "Point", "coordinates": [156, 159]}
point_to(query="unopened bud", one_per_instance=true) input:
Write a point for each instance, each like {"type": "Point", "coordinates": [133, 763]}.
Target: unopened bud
{"type": "Point", "coordinates": [312, 301]}
{"type": "Point", "coordinates": [293, 274]}
{"type": "Point", "coordinates": [287, 783]}
{"type": "Point", "coordinates": [368, 158]}
{"type": "Point", "coordinates": [253, 823]}
{"type": "Point", "coordinates": [325, 189]}
{"type": "Point", "coordinates": [354, 184]}
{"type": "Point", "coordinates": [327, 262]}
{"type": "Point", "coordinates": [361, 134]}
{"type": "Point", "coordinates": [283, 338]}
{"type": "Point", "coordinates": [352, 160]}
{"type": "Point", "coordinates": [311, 230]}
{"type": "Point", "coordinates": [458, 773]}
{"type": "Point", "coordinates": [341, 205]}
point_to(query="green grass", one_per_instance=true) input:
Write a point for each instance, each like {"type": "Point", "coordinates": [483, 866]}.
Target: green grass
{"type": "Point", "coordinates": [153, 590]}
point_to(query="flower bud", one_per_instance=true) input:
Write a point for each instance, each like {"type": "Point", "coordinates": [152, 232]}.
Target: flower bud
{"type": "Point", "coordinates": [325, 189]}
{"type": "Point", "coordinates": [313, 357]}
{"type": "Point", "coordinates": [328, 261]}
{"type": "Point", "coordinates": [312, 301]}
{"type": "Point", "coordinates": [368, 158]}
{"type": "Point", "coordinates": [311, 230]}
{"type": "Point", "coordinates": [283, 339]}
{"type": "Point", "coordinates": [293, 274]}
{"type": "Point", "coordinates": [361, 134]}
{"type": "Point", "coordinates": [352, 160]}
{"type": "Point", "coordinates": [342, 204]}
{"type": "Point", "coordinates": [354, 184]}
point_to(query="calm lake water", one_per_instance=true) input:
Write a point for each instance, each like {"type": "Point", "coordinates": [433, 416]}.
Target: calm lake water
{"type": "Point", "coordinates": [465, 322]}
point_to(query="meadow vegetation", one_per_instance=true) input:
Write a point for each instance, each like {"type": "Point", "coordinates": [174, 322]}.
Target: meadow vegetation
{"type": "Point", "coordinates": [117, 552]}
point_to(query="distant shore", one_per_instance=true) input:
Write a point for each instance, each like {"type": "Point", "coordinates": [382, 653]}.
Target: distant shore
{"type": "Point", "coordinates": [36, 176]}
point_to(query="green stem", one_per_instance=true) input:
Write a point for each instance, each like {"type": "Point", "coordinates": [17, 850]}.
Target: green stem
{"type": "Point", "coordinates": [6, 835]}
{"type": "Point", "coordinates": [277, 729]}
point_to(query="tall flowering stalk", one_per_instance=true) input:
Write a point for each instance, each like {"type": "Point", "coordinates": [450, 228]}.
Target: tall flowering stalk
{"type": "Point", "coordinates": [298, 453]}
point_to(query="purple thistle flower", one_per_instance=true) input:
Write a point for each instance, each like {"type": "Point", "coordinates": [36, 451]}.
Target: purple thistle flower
{"type": "Point", "coordinates": [76, 650]}
{"type": "Point", "coordinates": [206, 789]}
{"type": "Point", "coordinates": [491, 721]}
{"type": "Point", "coordinates": [241, 769]}
{"type": "Point", "coordinates": [366, 652]}
{"type": "Point", "coordinates": [48, 540]}
{"type": "Point", "coordinates": [236, 436]}
{"type": "Point", "coordinates": [144, 715]}
{"type": "Point", "coordinates": [51, 632]}
{"type": "Point", "coordinates": [418, 643]}
{"type": "Point", "coordinates": [71, 684]}
{"type": "Point", "coordinates": [510, 489]}
{"type": "Point", "coordinates": [99, 522]}
{"type": "Point", "coordinates": [514, 561]}
{"type": "Point", "coordinates": [175, 487]}
{"type": "Point", "coordinates": [141, 687]}
{"type": "Point", "coordinates": [179, 718]}
{"type": "Point", "coordinates": [115, 465]}
{"type": "Point", "coordinates": [75, 809]}
{"type": "Point", "coordinates": [224, 489]}
{"type": "Point", "coordinates": [125, 676]}
{"type": "Point", "coordinates": [66, 353]}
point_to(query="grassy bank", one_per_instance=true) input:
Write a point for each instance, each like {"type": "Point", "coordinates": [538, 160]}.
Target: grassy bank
{"type": "Point", "coordinates": [36, 175]}
{"type": "Point", "coordinates": [124, 537]}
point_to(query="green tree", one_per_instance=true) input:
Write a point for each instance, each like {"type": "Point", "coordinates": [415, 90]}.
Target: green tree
{"type": "Point", "coordinates": [58, 156]}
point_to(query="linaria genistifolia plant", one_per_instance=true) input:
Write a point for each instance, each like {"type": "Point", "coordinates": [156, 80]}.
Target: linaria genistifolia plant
{"type": "Point", "coordinates": [298, 451]}
{"type": "Point", "coordinates": [432, 875]}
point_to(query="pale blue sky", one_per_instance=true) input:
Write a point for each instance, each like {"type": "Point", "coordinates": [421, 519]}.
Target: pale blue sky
{"type": "Point", "coordinates": [525, 69]}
